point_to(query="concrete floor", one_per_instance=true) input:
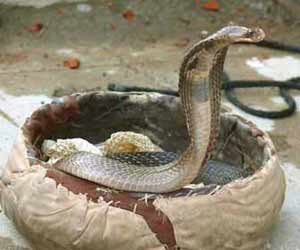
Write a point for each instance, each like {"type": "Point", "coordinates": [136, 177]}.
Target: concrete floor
{"type": "Point", "coordinates": [145, 51]}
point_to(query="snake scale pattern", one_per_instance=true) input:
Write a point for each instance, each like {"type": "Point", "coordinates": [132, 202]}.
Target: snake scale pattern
{"type": "Point", "coordinates": [161, 172]}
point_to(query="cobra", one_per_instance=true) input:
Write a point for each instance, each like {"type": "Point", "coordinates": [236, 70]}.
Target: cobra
{"type": "Point", "coordinates": [199, 89]}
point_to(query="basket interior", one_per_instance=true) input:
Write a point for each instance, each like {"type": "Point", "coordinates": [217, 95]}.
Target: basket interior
{"type": "Point", "coordinates": [161, 118]}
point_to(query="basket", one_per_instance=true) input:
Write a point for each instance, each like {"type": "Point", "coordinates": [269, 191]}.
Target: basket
{"type": "Point", "coordinates": [55, 210]}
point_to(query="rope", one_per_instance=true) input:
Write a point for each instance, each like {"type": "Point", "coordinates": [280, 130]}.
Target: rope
{"type": "Point", "coordinates": [228, 86]}
{"type": "Point", "coordinates": [229, 92]}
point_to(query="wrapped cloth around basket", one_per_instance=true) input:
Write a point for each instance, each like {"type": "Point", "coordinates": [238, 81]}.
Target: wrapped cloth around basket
{"type": "Point", "coordinates": [55, 210]}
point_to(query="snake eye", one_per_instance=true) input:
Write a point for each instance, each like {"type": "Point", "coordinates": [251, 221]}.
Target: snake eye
{"type": "Point", "coordinates": [251, 33]}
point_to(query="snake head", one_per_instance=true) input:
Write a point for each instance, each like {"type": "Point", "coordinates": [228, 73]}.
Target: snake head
{"type": "Point", "coordinates": [243, 34]}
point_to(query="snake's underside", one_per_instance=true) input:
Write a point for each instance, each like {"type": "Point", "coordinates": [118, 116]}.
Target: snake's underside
{"type": "Point", "coordinates": [199, 89]}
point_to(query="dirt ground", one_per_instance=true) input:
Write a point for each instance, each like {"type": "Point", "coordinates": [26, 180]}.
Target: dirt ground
{"type": "Point", "coordinates": [142, 43]}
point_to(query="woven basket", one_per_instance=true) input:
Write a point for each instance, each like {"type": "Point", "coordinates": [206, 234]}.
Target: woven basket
{"type": "Point", "coordinates": [58, 211]}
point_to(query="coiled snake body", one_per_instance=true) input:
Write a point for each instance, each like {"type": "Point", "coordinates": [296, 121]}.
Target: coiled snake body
{"type": "Point", "coordinates": [199, 88]}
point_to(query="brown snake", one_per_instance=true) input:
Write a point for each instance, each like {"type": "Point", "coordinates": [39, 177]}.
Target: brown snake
{"type": "Point", "coordinates": [199, 88]}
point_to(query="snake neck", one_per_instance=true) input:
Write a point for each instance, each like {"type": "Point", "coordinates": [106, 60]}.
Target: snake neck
{"type": "Point", "coordinates": [199, 88]}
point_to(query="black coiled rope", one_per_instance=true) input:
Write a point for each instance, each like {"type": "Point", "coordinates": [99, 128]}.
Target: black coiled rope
{"type": "Point", "coordinates": [228, 86]}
